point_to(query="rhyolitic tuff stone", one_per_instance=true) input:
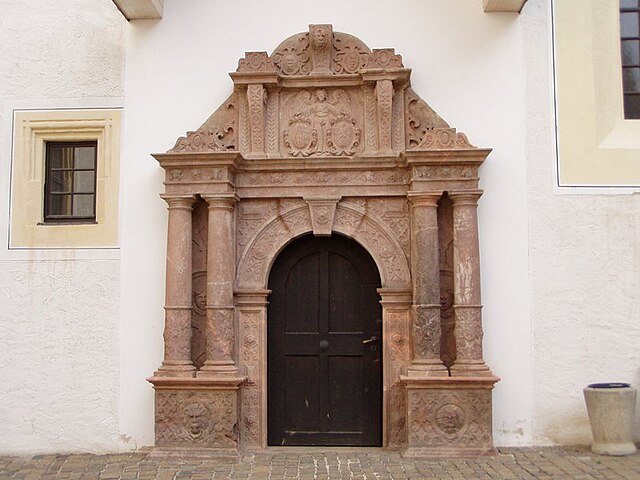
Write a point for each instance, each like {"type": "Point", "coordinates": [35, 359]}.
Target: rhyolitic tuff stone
{"type": "Point", "coordinates": [323, 137]}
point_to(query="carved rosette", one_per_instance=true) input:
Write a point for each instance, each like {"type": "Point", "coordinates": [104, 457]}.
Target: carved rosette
{"type": "Point", "coordinates": [196, 419]}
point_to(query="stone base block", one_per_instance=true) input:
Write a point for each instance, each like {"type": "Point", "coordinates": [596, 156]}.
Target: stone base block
{"type": "Point", "coordinates": [449, 417]}
{"type": "Point", "coordinates": [196, 417]}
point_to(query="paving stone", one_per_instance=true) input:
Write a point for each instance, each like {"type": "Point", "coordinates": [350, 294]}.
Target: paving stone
{"type": "Point", "coordinates": [576, 463]}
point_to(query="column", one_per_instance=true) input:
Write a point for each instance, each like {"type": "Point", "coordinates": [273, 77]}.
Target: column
{"type": "Point", "coordinates": [177, 324]}
{"type": "Point", "coordinates": [221, 259]}
{"type": "Point", "coordinates": [425, 267]}
{"type": "Point", "coordinates": [466, 278]}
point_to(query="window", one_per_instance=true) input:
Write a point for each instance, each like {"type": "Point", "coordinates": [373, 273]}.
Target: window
{"type": "Point", "coordinates": [65, 178]}
{"type": "Point", "coordinates": [630, 47]}
{"type": "Point", "coordinates": [70, 183]}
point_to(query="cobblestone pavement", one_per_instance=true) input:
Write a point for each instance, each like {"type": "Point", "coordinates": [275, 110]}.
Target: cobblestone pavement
{"type": "Point", "coordinates": [510, 463]}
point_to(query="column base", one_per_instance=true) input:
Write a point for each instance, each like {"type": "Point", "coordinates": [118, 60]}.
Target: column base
{"type": "Point", "coordinates": [196, 416]}
{"type": "Point", "coordinates": [175, 369]}
{"type": "Point", "coordinates": [449, 417]}
{"type": "Point", "coordinates": [427, 369]}
{"type": "Point", "coordinates": [218, 369]}
{"type": "Point", "coordinates": [470, 368]}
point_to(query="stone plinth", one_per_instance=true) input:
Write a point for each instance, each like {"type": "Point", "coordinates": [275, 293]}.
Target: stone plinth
{"type": "Point", "coordinates": [196, 416]}
{"type": "Point", "coordinates": [449, 417]}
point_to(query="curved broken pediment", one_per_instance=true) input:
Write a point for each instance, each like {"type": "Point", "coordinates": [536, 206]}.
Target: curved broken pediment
{"type": "Point", "coordinates": [322, 94]}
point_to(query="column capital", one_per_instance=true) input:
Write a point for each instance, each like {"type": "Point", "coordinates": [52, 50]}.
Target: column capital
{"type": "Point", "coordinates": [223, 201]}
{"type": "Point", "coordinates": [179, 201]}
{"type": "Point", "coordinates": [424, 199]}
{"type": "Point", "coordinates": [465, 197]}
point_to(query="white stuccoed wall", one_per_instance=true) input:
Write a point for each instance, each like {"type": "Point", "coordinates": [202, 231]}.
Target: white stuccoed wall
{"type": "Point", "coordinates": [584, 261]}
{"type": "Point", "coordinates": [59, 309]}
{"type": "Point", "coordinates": [467, 64]}
{"type": "Point", "coordinates": [81, 330]}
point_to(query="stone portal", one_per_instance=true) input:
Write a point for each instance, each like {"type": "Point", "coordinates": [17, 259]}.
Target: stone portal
{"type": "Point", "coordinates": [324, 137]}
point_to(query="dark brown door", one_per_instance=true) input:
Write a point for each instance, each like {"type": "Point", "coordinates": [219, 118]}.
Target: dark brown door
{"type": "Point", "coordinates": [324, 345]}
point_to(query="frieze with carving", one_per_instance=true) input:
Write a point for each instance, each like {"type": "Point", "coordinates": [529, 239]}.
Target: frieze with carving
{"type": "Point", "coordinates": [256, 62]}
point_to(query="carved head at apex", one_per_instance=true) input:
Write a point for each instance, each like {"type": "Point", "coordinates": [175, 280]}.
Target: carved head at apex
{"type": "Point", "coordinates": [320, 36]}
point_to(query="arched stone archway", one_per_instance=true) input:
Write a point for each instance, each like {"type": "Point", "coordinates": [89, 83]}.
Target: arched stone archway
{"type": "Point", "coordinates": [323, 136]}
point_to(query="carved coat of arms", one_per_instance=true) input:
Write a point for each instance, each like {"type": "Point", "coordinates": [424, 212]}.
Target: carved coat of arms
{"type": "Point", "coordinates": [321, 125]}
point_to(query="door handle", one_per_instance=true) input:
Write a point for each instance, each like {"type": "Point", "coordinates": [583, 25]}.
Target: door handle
{"type": "Point", "coordinates": [370, 340]}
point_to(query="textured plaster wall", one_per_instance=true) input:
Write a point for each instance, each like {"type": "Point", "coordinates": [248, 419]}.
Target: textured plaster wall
{"type": "Point", "coordinates": [59, 324]}
{"type": "Point", "coordinates": [467, 64]}
{"type": "Point", "coordinates": [584, 261]}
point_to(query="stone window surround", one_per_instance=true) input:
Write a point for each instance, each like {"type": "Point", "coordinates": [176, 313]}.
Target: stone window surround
{"type": "Point", "coordinates": [32, 129]}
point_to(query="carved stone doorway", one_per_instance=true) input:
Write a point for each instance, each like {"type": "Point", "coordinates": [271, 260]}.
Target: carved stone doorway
{"type": "Point", "coordinates": [324, 345]}
{"type": "Point", "coordinates": [324, 137]}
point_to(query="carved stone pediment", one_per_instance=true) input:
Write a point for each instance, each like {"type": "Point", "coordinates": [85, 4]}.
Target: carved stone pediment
{"type": "Point", "coordinates": [322, 94]}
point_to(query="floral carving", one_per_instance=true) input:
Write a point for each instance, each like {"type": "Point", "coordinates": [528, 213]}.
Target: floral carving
{"type": "Point", "coordinates": [350, 58]}
{"type": "Point", "coordinates": [256, 62]}
{"type": "Point", "coordinates": [420, 119]}
{"type": "Point", "coordinates": [384, 58]}
{"type": "Point", "coordinates": [217, 134]}
{"type": "Point", "coordinates": [444, 139]}
{"type": "Point", "coordinates": [292, 56]}
{"type": "Point", "coordinates": [426, 331]}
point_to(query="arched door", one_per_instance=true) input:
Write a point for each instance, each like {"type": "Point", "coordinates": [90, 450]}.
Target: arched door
{"type": "Point", "coordinates": [324, 345]}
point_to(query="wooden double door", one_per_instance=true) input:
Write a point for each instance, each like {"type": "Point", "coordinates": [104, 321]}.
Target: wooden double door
{"type": "Point", "coordinates": [324, 345]}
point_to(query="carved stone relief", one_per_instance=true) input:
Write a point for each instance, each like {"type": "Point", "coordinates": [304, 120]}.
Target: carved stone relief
{"type": "Point", "coordinates": [322, 136]}
{"type": "Point", "coordinates": [188, 418]}
{"type": "Point", "coordinates": [456, 418]}
{"type": "Point", "coordinates": [322, 122]}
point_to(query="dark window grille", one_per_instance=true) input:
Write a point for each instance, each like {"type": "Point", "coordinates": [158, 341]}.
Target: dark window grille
{"type": "Point", "coordinates": [70, 182]}
{"type": "Point", "coordinates": [630, 48]}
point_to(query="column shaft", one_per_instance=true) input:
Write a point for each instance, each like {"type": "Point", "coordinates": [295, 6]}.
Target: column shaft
{"type": "Point", "coordinates": [425, 268]}
{"type": "Point", "coordinates": [466, 278]}
{"type": "Point", "coordinates": [220, 333]}
{"type": "Point", "coordinates": [177, 325]}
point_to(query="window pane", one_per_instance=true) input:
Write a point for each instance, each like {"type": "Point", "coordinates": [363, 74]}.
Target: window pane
{"type": "Point", "coordinates": [632, 106]}
{"type": "Point", "coordinates": [629, 24]}
{"type": "Point", "coordinates": [60, 157]}
{"type": "Point", "coordinates": [59, 205]}
{"type": "Point", "coordinates": [84, 181]}
{"type": "Point", "coordinates": [628, 3]}
{"type": "Point", "coordinates": [60, 181]}
{"type": "Point", "coordinates": [631, 79]}
{"type": "Point", "coordinates": [83, 205]}
{"type": "Point", "coordinates": [631, 52]}
{"type": "Point", "coordinates": [85, 157]}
